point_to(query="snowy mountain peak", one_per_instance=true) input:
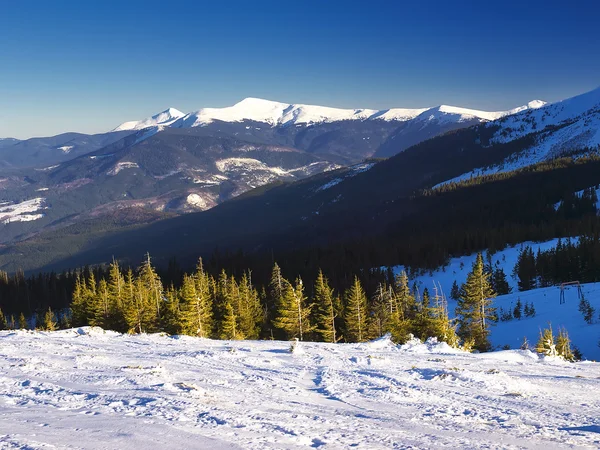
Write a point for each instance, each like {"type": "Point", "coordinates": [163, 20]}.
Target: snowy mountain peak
{"type": "Point", "coordinates": [164, 118]}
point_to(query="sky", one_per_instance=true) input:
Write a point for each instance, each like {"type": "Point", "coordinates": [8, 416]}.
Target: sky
{"type": "Point", "coordinates": [89, 66]}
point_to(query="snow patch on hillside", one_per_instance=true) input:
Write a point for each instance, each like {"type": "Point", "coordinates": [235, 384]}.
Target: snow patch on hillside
{"type": "Point", "coordinates": [66, 148]}
{"type": "Point", "coordinates": [246, 164]}
{"type": "Point", "coordinates": [353, 170]}
{"type": "Point", "coordinates": [23, 211]}
{"type": "Point", "coordinates": [122, 165]}
{"type": "Point", "coordinates": [93, 389]}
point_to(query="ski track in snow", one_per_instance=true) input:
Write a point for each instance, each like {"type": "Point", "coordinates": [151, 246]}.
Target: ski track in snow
{"type": "Point", "coordinates": [86, 388]}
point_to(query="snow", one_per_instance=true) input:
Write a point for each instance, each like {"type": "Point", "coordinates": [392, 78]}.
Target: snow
{"type": "Point", "coordinates": [562, 127]}
{"type": "Point", "coordinates": [122, 165]}
{"type": "Point", "coordinates": [87, 388]}
{"type": "Point", "coordinates": [285, 114]}
{"type": "Point", "coordinates": [545, 301]}
{"type": "Point", "coordinates": [164, 118]}
{"type": "Point", "coordinates": [22, 212]}
{"type": "Point", "coordinates": [354, 170]}
{"type": "Point", "coordinates": [66, 148]}
{"type": "Point", "coordinates": [196, 201]}
{"type": "Point", "coordinates": [247, 164]}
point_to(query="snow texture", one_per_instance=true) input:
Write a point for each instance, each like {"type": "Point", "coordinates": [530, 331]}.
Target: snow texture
{"type": "Point", "coordinates": [563, 127]}
{"type": "Point", "coordinates": [87, 388]}
{"type": "Point", "coordinates": [22, 212]}
{"type": "Point", "coordinates": [546, 301]}
{"type": "Point", "coordinates": [285, 114]}
{"type": "Point", "coordinates": [164, 118]}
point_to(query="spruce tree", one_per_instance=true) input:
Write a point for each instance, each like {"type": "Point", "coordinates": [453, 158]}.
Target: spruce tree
{"type": "Point", "coordinates": [50, 323]}
{"type": "Point", "coordinates": [23, 325]}
{"type": "Point", "coordinates": [455, 291]}
{"type": "Point", "coordinates": [196, 304]}
{"type": "Point", "coordinates": [475, 307]}
{"type": "Point", "coordinates": [355, 312]}
{"type": "Point", "coordinates": [518, 309]}
{"type": "Point", "coordinates": [229, 327]}
{"type": "Point", "coordinates": [115, 319]}
{"type": "Point", "coordinates": [293, 313]}
{"type": "Point", "coordinates": [3, 322]}
{"type": "Point", "coordinates": [79, 304]}
{"type": "Point", "coordinates": [326, 309]}
{"type": "Point", "coordinates": [250, 311]}
{"type": "Point", "coordinates": [152, 294]}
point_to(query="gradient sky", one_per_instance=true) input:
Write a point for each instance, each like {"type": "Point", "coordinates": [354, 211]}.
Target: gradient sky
{"type": "Point", "coordinates": [90, 65]}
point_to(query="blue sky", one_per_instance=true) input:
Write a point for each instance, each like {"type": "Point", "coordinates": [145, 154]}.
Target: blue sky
{"type": "Point", "coordinates": [88, 66]}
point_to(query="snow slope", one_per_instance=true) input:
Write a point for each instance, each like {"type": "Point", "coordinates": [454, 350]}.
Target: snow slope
{"type": "Point", "coordinates": [23, 211]}
{"type": "Point", "coordinates": [563, 127]}
{"type": "Point", "coordinates": [85, 388]}
{"type": "Point", "coordinates": [284, 114]}
{"type": "Point", "coordinates": [545, 301]}
{"type": "Point", "coordinates": [164, 118]}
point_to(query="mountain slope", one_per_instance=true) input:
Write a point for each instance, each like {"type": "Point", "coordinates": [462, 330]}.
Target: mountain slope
{"type": "Point", "coordinates": [164, 118]}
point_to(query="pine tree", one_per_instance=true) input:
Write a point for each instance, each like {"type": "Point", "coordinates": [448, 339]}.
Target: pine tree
{"type": "Point", "coordinates": [563, 345]}
{"type": "Point", "coordinates": [50, 323]}
{"type": "Point", "coordinates": [355, 312]}
{"type": "Point", "coordinates": [152, 294]}
{"type": "Point", "coordinates": [326, 309]}
{"type": "Point", "coordinates": [196, 304]}
{"type": "Point", "coordinates": [229, 328]}
{"type": "Point", "coordinates": [3, 322]}
{"type": "Point", "coordinates": [293, 312]}
{"type": "Point", "coordinates": [500, 283]}
{"type": "Point", "coordinates": [518, 309]}
{"type": "Point", "coordinates": [250, 311]}
{"type": "Point", "coordinates": [115, 319]}
{"type": "Point", "coordinates": [23, 322]}
{"type": "Point", "coordinates": [546, 344]}
{"type": "Point", "coordinates": [587, 310]}
{"type": "Point", "coordinates": [78, 304]}
{"type": "Point", "coordinates": [475, 307]}
{"type": "Point", "coordinates": [455, 291]}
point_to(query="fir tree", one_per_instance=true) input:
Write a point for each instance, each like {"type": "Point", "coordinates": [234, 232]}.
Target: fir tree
{"type": "Point", "coordinates": [475, 307]}
{"type": "Point", "coordinates": [563, 345]}
{"type": "Point", "coordinates": [546, 344]}
{"type": "Point", "coordinates": [587, 310]}
{"type": "Point", "coordinates": [50, 323]}
{"type": "Point", "coordinates": [23, 322]}
{"type": "Point", "coordinates": [292, 312]}
{"type": "Point", "coordinates": [250, 312]}
{"type": "Point", "coordinates": [115, 319]}
{"type": "Point", "coordinates": [355, 309]}
{"type": "Point", "coordinates": [196, 304]}
{"type": "Point", "coordinates": [229, 328]}
{"type": "Point", "coordinates": [455, 291]}
{"type": "Point", "coordinates": [3, 322]}
{"type": "Point", "coordinates": [518, 309]}
{"type": "Point", "coordinates": [326, 309]}
{"type": "Point", "coordinates": [500, 283]}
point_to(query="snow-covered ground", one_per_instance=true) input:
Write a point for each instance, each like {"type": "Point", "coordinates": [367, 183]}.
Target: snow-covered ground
{"type": "Point", "coordinates": [546, 301]}
{"type": "Point", "coordinates": [23, 211]}
{"type": "Point", "coordinates": [85, 388]}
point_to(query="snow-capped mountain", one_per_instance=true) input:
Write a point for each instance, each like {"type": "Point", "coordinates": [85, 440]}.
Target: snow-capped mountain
{"type": "Point", "coordinates": [567, 127]}
{"type": "Point", "coordinates": [164, 118]}
{"type": "Point", "coordinates": [284, 114]}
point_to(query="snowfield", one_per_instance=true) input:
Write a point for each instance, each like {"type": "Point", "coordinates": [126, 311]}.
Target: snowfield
{"type": "Point", "coordinates": [87, 388]}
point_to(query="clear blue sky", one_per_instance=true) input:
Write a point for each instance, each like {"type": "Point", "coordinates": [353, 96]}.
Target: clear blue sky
{"type": "Point", "coordinates": [89, 65]}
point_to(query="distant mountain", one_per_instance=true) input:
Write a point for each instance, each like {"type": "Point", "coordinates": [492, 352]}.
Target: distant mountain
{"type": "Point", "coordinates": [358, 203]}
{"type": "Point", "coordinates": [278, 114]}
{"type": "Point", "coordinates": [48, 151]}
{"type": "Point", "coordinates": [164, 118]}
{"type": "Point", "coordinates": [568, 127]}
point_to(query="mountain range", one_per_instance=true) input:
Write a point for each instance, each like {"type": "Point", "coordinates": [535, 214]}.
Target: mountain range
{"type": "Point", "coordinates": [173, 163]}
